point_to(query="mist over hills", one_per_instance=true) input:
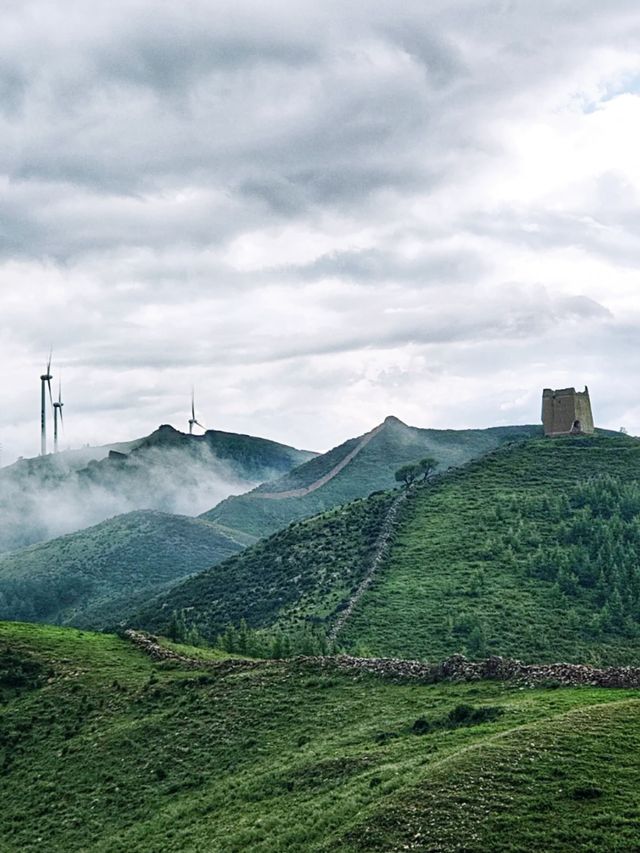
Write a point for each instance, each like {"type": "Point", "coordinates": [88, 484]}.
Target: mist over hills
{"type": "Point", "coordinates": [58, 581]}
{"type": "Point", "coordinates": [167, 471]}
{"type": "Point", "coordinates": [86, 577]}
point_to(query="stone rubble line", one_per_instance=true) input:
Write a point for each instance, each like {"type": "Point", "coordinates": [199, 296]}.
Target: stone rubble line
{"type": "Point", "coordinates": [378, 556]}
{"type": "Point", "coordinates": [454, 668]}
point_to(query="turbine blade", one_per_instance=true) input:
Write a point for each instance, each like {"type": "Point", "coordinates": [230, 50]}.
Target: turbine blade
{"type": "Point", "coordinates": [61, 418]}
{"type": "Point", "coordinates": [49, 387]}
{"type": "Point", "coordinates": [49, 362]}
{"type": "Point", "coordinates": [200, 425]}
{"type": "Point", "coordinates": [193, 404]}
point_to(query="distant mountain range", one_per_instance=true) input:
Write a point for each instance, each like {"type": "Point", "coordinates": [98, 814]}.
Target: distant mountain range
{"type": "Point", "coordinates": [167, 471]}
{"type": "Point", "coordinates": [89, 576]}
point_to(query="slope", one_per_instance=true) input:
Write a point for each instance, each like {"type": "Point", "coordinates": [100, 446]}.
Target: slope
{"type": "Point", "coordinates": [530, 552]}
{"type": "Point", "coordinates": [298, 757]}
{"type": "Point", "coordinates": [167, 471]}
{"type": "Point", "coordinates": [352, 470]}
{"type": "Point", "coordinates": [91, 577]}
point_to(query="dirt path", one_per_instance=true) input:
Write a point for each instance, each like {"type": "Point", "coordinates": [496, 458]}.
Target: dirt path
{"type": "Point", "coordinates": [326, 478]}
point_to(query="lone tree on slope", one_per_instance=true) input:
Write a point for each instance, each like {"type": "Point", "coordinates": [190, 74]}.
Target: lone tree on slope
{"type": "Point", "coordinates": [416, 471]}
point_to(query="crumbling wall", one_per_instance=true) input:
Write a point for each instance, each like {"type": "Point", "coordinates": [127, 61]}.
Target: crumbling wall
{"type": "Point", "coordinates": [455, 668]}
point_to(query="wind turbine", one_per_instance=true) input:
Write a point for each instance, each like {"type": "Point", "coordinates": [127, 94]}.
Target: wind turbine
{"type": "Point", "coordinates": [57, 410]}
{"type": "Point", "coordinates": [45, 380]}
{"type": "Point", "coordinates": [192, 420]}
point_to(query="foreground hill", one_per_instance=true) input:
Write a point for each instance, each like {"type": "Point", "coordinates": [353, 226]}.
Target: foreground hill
{"type": "Point", "coordinates": [167, 471]}
{"type": "Point", "coordinates": [532, 551]}
{"type": "Point", "coordinates": [355, 469]}
{"type": "Point", "coordinates": [91, 576]}
{"type": "Point", "coordinates": [299, 757]}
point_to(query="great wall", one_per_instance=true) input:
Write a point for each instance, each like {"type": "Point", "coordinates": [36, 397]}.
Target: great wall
{"type": "Point", "coordinates": [326, 478]}
{"type": "Point", "coordinates": [379, 554]}
{"type": "Point", "coordinates": [454, 668]}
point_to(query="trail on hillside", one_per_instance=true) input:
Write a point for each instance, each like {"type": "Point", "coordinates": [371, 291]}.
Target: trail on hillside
{"type": "Point", "coordinates": [326, 478]}
{"type": "Point", "coordinates": [379, 554]}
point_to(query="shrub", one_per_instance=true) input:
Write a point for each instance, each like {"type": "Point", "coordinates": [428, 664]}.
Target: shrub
{"type": "Point", "coordinates": [468, 715]}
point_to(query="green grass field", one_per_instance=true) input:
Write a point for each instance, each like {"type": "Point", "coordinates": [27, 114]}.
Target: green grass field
{"type": "Point", "coordinates": [530, 552]}
{"type": "Point", "coordinates": [103, 750]}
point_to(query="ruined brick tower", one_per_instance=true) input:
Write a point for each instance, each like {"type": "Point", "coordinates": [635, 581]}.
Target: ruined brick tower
{"type": "Point", "coordinates": [566, 412]}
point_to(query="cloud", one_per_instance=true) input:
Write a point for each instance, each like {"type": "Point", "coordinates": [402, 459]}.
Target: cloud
{"type": "Point", "coordinates": [317, 213]}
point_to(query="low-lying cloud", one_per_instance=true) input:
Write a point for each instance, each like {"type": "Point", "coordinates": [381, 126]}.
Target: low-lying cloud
{"type": "Point", "coordinates": [42, 499]}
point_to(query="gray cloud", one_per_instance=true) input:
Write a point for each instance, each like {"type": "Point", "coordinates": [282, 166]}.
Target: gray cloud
{"type": "Point", "coordinates": [295, 204]}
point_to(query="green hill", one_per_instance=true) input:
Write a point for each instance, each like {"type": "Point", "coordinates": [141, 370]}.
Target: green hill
{"type": "Point", "coordinates": [355, 469]}
{"type": "Point", "coordinates": [167, 471]}
{"type": "Point", "coordinates": [531, 552]}
{"type": "Point", "coordinates": [91, 577]}
{"type": "Point", "coordinates": [101, 749]}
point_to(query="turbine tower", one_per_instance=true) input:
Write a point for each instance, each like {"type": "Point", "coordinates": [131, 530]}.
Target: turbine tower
{"type": "Point", "coordinates": [192, 420]}
{"type": "Point", "coordinates": [57, 411]}
{"type": "Point", "coordinates": [45, 380]}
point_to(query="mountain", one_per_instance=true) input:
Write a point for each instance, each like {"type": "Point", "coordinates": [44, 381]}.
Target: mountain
{"type": "Point", "coordinates": [353, 470]}
{"type": "Point", "coordinates": [531, 551]}
{"type": "Point", "coordinates": [167, 471]}
{"type": "Point", "coordinates": [57, 582]}
{"type": "Point", "coordinates": [103, 749]}
{"type": "Point", "coordinates": [90, 577]}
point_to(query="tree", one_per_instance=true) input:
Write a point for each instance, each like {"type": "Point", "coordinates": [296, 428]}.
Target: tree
{"type": "Point", "coordinates": [407, 474]}
{"type": "Point", "coordinates": [177, 627]}
{"type": "Point", "coordinates": [416, 471]}
{"type": "Point", "coordinates": [427, 466]}
{"type": "Point", "coordinates": [476, 642]}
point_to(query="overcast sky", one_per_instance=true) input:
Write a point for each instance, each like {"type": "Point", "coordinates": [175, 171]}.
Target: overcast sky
{"type": "Point", "coordinates": [318, 213]}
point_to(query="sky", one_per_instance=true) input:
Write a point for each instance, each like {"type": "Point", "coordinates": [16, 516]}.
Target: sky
{"type": "Point", "coordinates": [317, 214]}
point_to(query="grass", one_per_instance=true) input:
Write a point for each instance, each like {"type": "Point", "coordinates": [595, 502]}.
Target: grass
{"type": "Point", "coordinates": [147, 757]}
{"type": "Point", "coordinates": [313, 566]}
{"type": "Point", "coordinates": [459, 564]}
{"type": "Point", "coordinates": [542, 786]}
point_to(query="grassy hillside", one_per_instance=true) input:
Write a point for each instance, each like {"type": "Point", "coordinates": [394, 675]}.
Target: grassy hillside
{"type": "Point", "coordinates": [310, 567]}
{"type": "Point", "coordinates": [91, 577]}
{"type": "Point", "coordinates": [391, 445]}
{"type": "Point", "coordinates": [166, 471]}
{"type": "Point", "coordinates": [531, 552]}
{"type": "Point", "coordinates": [149, 758]}
{"type": "Point", "coordinates": [509, 557]}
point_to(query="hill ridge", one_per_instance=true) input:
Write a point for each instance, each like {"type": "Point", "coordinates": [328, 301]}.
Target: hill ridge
{"type": "Point", "coordinates": [326, 478]}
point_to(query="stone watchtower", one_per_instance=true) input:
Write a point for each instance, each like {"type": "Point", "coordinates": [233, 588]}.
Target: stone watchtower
{"type": "Point", "coordinates": [566, 412]}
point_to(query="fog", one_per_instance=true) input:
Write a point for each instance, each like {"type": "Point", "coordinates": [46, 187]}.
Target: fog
{"type": "Point", "coordinates": [46, 497]}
